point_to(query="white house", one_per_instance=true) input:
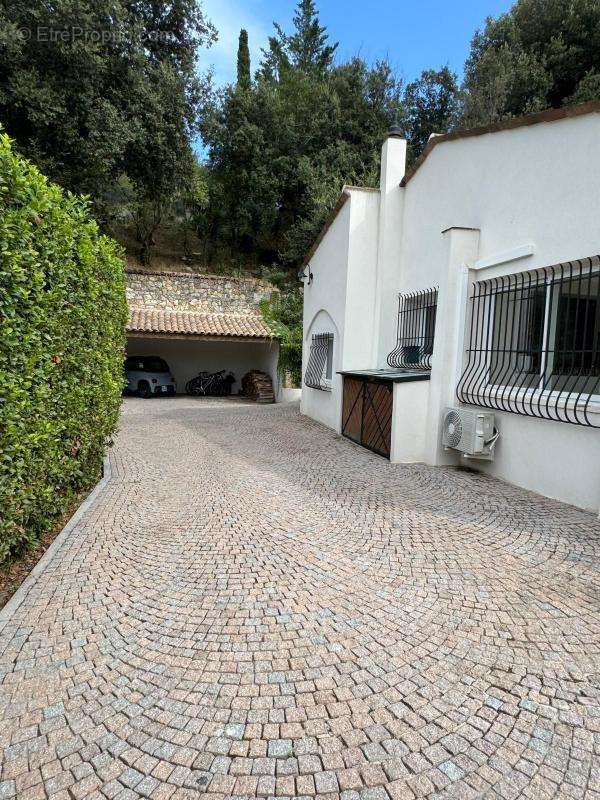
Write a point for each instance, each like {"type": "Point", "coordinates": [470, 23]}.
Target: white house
{"type": "Point", "coordinates": [469, 282]}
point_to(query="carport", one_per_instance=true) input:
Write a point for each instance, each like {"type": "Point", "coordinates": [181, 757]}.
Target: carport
{"type": "Point", "coordinates": [194, 341]}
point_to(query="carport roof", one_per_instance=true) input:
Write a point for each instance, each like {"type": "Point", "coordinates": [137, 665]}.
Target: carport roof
{"type": "Point", "coordinates": [195, 323]}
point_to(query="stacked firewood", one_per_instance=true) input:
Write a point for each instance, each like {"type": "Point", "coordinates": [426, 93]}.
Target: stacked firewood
{"type": "Point", "coordinates": [258, 386]}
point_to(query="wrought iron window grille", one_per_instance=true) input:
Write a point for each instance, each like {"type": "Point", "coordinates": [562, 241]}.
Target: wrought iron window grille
{"type": "Point", "coordinates": [416, 330]}
{"type": "Point", "coordinates": [320, 362]}
{"type": "Point", "coordinates": [534, 344]}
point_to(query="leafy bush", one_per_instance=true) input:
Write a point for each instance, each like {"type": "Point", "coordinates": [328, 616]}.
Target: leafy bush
{"type": "Point", "coordinates": [62, 336]}
{"type": "Point", "coordinates": [283, 312]}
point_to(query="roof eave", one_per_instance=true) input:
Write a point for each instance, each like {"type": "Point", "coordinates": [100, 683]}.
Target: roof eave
{"type": "Point", "coordinates": [147, 334]}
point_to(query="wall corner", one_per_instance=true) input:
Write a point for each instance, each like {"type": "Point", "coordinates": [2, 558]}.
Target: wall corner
{"type": "Point", "coordinates": [391, 213]}
{"type": "Point", "coordinates": [461, 249]}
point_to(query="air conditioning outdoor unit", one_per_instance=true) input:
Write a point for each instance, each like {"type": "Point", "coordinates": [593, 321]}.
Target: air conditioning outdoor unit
{"type": "Point", "coordinates": [473, 433]}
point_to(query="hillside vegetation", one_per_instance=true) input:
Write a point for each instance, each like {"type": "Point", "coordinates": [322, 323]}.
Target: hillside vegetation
{"type": "Point", "coordinates": [120, 117]}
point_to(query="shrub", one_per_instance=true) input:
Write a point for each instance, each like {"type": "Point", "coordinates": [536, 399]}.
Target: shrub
{"type": "Point", "coordinates": [283, 313]}
{"type": "Point", "coordinates": [62, 336]}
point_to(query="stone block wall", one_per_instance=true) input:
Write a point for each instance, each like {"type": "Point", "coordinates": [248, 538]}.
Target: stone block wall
{"type": "Point", "coordinates": [189, 292]}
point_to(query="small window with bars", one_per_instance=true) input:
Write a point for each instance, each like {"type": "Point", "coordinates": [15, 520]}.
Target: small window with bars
{"type": "Point", "coordinates": [319, 369]}
{"type": "Point", "coordinates": [415, 331]}
{"type": "Point", "coordinates": [534, 344]}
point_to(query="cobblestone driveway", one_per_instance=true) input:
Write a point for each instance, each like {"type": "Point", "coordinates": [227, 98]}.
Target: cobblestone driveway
{"type": "Point", "coordinates": [255, 607]}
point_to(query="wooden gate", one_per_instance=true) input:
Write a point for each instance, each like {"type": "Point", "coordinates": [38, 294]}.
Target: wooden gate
{"type": "Point", "coordinates": [367, 413]}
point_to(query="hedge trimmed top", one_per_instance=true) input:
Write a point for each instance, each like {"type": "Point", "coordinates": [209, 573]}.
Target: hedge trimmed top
{"type": "Point", "coordinates": [62, 337]}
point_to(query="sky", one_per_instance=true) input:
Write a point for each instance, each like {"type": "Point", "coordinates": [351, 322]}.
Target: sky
{"type": "Point", "coordinates": [412, 34]}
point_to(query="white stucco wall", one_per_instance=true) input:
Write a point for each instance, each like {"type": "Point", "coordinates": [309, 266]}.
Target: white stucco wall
{"type": "Point", "coordinates": [341, 299]}
{"type": "Point", "coordinates": [324, 310]}
{"type": "Point", "coordinates": [535, 185]}
{"type": "Point", "coordinates": [552, 458]}
{"type": "Point", "coordinates": [411, 403]}
{"type": "Point", "coordinates": [360, 307]}
{"type": "Point", "coordinates": [187, 357]}
{"type": "Point", "coordinates": [390, 233]}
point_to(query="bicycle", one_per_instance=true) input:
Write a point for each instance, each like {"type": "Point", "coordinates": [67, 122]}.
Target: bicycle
{"type": "Point", "coordinates": [210, 384]}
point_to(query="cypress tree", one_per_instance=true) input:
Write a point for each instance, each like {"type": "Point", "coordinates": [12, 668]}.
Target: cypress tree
{"type": "Point", "coordinates": [243, 61]}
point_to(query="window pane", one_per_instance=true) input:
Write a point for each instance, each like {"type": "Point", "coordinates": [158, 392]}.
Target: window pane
{"type": "Point", "coordinates": [329, 365]}
{"type": "Point", "coordinates": [430, 313]}
{"type": "Point", "coordinates": [319, 365]}
{"type": "Point", "coordinates": [576, 350]}
{"type": "Point", "coordinates": [415, 331]}
{"type": "Point", "coordinates": [517, 342]}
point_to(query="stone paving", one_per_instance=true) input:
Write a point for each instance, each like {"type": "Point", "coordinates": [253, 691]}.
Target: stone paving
{"type": "Point", "coordinates": [256, 607]}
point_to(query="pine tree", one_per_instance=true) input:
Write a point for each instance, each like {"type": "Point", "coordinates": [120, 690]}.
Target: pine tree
{"type": "Point", "coordinates": [306, 50]}
{"type": "Point", "coordinates": [308, 46]}
{"type": "Point", "coordinates": [243, 61]}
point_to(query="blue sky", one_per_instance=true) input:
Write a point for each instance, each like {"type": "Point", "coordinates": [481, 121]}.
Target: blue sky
{"type": "Point", "coordinates": [412, 34]}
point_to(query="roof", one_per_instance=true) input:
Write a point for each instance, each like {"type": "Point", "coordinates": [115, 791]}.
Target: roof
{"type": "Point", "coordinates": [341, 201]}
{"type": "Point", "coordinates": [194, 323]}
{"type": "Point", "coordinates": [550, 115]}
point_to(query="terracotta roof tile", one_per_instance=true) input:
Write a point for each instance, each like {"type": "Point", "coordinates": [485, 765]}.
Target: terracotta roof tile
{"type": "Point", "coordinates": [196, 323]}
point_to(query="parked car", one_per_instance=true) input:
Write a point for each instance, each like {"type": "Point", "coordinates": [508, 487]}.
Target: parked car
{"type": "Point", "coordinates": [148, 376]}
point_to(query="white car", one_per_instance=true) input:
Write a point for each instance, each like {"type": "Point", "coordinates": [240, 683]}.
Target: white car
{"type": "Point", "coordinates": [148, 376]}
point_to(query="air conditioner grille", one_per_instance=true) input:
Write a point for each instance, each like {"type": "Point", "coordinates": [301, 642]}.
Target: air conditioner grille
{"type": "Point", "coordinates": [454, 429]}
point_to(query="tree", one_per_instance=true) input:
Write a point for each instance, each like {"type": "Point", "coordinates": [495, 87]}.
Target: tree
{"type": "Point", "coordinates": [308, 46]}
{"type": "Point", "coordinates": [192, 203]}
{"type": "Point", "coordinates": [540, 54]}
{"type": "Point", "coordinates": [307, 49]}
{"type": "Point", "coordinates": [103, 91]}
{"type": "Point", "coordinates": [431, 106]}
{"type": "Point", "coordinates": [243, 61]}
{"type": "Point", "coordinates": [279, 153]}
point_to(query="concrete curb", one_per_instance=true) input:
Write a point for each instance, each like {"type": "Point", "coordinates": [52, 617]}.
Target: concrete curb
{"type": "Point", "coordinates": [19, 596]}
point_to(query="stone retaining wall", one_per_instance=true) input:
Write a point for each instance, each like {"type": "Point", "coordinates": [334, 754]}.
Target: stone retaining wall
{"type": "Point", "coordinates": [188, 292]}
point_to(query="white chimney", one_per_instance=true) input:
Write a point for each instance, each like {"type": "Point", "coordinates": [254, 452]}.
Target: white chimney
{"type": "Point", "coordinates": [393, 163]}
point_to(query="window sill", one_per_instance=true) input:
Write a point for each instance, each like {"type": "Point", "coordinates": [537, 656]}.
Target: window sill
{"type": "Point", "coordinates": [323, 388]}
{"type": "Point", "coordinates": [565, 401]}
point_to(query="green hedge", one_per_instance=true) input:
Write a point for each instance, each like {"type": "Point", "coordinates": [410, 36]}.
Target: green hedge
{"type": "Point", "coordinates": [62, 337]}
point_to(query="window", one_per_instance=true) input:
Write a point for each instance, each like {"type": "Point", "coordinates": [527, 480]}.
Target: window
{"type": "Point", "coordinates": [416, 330]}
{"type": "Point", "coordinates": [534, 344]}
{"type": "Point", "coordinates": [146, 364]}
{"type": "Point", "coordinates": [319, 370]}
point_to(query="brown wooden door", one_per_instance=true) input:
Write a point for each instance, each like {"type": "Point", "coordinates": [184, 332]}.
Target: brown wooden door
{"type": "Point", "coordinates": [367, 413]}
{"type": "Point", "coordinates": [352, 408]}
